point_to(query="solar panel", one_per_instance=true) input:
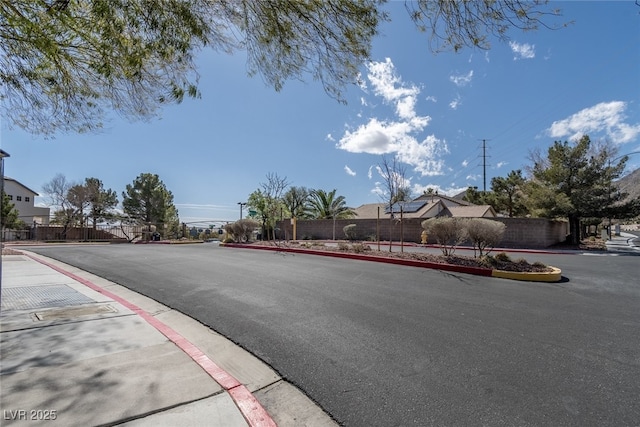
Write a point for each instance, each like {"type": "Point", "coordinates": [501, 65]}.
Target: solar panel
{"type": "Point", "coordinates": [407, 207]}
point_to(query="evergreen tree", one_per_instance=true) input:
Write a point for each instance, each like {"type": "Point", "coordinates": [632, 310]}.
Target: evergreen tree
{"type": "Point", "coordinates": [148, 202]}
{"type": "Point", "coordinates": [508, 195]}
{"type": "Point", "coordinates": [101, 201]}
{"type": "Point", "coordinates": [9, 215]}
{"type": "Point", "coordinates": [574, 181]}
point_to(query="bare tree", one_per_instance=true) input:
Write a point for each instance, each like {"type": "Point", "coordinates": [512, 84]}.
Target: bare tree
{"type": "Point", "coordinates": [58, 191]}
{"type": "Point", "coordinates": [273, 190]}
{"type": "Point", "coordinates": [396, 186]}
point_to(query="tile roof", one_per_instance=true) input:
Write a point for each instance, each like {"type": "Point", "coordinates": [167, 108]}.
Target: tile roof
{"type": "Point", "coordinates": [475, 211]}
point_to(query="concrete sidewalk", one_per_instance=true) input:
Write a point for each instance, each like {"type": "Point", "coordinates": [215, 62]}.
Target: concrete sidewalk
{"type": "Point", "coordinates": [624, 242]}
{"type": "Point", "coordinates": [83, 351]}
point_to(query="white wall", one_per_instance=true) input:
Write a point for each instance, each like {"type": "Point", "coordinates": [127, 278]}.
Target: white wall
{"type": "Point", "coordinates": [25, 206]}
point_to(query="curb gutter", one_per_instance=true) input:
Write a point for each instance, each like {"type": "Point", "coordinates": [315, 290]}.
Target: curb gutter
{"type": "Point", "coordinates": [251, 409]}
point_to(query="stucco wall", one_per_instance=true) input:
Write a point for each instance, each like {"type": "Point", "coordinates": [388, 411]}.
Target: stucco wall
{"type": "Point", "coordinates": [520, 232]}
{"type": "Point", "coordinates": [27, 211]}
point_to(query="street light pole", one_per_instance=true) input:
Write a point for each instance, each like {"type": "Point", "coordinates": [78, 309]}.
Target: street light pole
{"type": "Point", "coordinates": [241, 205]}
{"type": "Point", "coordinates": [3, 154]}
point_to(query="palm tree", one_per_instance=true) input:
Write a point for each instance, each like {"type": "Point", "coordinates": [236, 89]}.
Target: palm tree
{"type": "Point", "coordinates": [325, 205]}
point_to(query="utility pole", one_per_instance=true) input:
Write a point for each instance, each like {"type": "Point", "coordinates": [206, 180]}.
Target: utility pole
{"type": "Point", "coordinates": [484, 165]}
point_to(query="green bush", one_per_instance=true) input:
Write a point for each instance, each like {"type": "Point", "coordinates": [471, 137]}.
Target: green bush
{"type": "Point", "coordinates": [488, 261]}
{"type": "Point", "coordinates": [502, 257]}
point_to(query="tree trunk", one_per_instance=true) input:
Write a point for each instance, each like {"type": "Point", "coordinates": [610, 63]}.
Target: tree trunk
{"type": "Point", "coordinates": [574, 230]}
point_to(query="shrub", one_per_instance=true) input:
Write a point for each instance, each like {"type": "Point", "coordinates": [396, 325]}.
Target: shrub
{"type": "Point", "coordinates": [502, 257]}
{"type": "Point", "coordinates": [484, 233]}
{"type": "Point", "coordinates": [311, 245]}
{"type": "Point", "coordinates": [350, 231]}
{"type": "Point", "coordinates": [241, 230]}
{"type": "Point", "coordinates": [448, 232]}
{"type": "Point", "coordinates": [488, 261]}
{"type": "Point", "coordinates": [360, 247]}
{"type": "Point", "coordinates": [343, 246]}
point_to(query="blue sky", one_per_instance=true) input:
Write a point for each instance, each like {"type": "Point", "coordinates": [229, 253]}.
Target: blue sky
{"type": "Point", "coordinates": [430, 110]}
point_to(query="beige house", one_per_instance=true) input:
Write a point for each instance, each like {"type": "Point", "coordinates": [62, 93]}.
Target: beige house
{"type": "Point", "coordinates": [426, 206]}
{"type": "Point", "coordinates": [24, 200]}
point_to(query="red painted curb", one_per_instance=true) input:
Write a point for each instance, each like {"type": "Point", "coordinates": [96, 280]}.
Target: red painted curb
{"type": "Point", "coordinates": [253, 412]}
{"type": "Point", "coordinates": [478, 271]}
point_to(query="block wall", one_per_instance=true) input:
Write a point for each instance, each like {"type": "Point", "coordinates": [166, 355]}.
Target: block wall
{"type": "Point", "coordinates": [520, 232]}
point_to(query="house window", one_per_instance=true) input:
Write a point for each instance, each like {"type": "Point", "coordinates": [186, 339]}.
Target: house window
{"type": "Point", "coordinates": [18, 198]}
{"type": "Point", "coordinates": [26, 199]}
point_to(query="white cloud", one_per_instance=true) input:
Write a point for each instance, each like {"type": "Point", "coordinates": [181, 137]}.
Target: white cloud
{"type": "Point", "coordinates": [374, 137]}
{"type": "Point", "coordinates": [461, 80]}
{"type": "Point", "coordinates": [369, 173]}
{"type": "Point", "coordinates": [398, 136]}
{"type": "Point", "coordinates": [432, 99]}
{"type": "Point", "coordinates": [377, 189]}
{"type": "Point", "coordinates": [500, 164]}
{"type": "Point", "coordinates": [465, 163]}
{"type": "Point", "coordinates": [605, 118]}
{"type": "Point", "coordinates": [455, 103]}
{"type": "Point", "coordinates": [329, 137]}
{"type": "Point", "coordinates": [447, 191]}
{"type": "Point", "coordinates": [362, 83]}
{"type": "Point", "coordinates": [348, 170]}
{"type": "Point", "coordinates": [522, 51]}
{"type": "Point", "coordinates": [387, 83]}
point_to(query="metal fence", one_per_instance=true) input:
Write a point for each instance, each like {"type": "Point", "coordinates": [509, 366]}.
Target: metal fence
{"type": "Point", "coordinates": [124, 233]}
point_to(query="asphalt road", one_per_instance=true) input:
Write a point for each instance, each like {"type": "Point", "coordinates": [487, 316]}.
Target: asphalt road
{"type": "Point", "coordinates": [383, 345]}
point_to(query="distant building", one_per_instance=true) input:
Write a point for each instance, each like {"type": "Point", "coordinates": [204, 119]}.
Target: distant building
{"type": "Point", "coordinates": [24, 199]}
{"type": "Point", "coordinates": [426, 206]}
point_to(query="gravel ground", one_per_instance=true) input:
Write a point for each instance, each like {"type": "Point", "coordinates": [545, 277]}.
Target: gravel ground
{"type": "Point", "coordinates": [494, 261]}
